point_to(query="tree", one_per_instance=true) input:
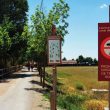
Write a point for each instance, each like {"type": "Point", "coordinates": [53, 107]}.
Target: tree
{"type": "Point", "coordinates": [42, 28]}
{"type": "Point", "coordinates": [16, 12]}
{"type": "Point", "coordinates": [24, 41]}
{"type": "Point", "coordinates": [95, 61]}
{"type": "Point", "coordinates": [5, 42]}
{"type": "Point", "coordinates": [64, 59]}
{"type": "Point", "coordinates": [42, 25]}
{"type": "Point", "coordinates": [80, 59]}
{"type": "Point", "coordinates": [89, 60]}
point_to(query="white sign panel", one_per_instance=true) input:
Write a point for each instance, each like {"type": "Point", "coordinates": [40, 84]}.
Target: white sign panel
{"type": "Point", "coordinates": [54, 51]}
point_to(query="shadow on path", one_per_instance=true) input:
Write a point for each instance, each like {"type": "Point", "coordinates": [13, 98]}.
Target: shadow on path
{"type": "Point", "coordinates": [39, 83]}
{"type": "Point", "coordinates": [5, 79]}
{"type": "Point", "coordinates": [40, 90]}
{"type": "Point", "coordinates": [35, 82]}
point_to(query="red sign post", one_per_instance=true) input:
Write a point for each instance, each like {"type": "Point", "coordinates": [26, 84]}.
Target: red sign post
{"type": "Point", "coordinates": [104, 51]}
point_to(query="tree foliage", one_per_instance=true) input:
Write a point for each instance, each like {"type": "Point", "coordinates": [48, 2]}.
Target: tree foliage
{"type": "Point", "coordinates": [13, 17]}
{"type": "Point", "coordinates": [86, 60]}
{"type": "Point", "coordinates": [64, 59]}
{"type": "Point", "coordinates": [42, 25]}
{"type": "Point", "coordinates": [80, 59]}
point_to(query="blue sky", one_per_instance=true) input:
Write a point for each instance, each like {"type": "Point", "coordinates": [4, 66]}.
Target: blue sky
{"type": "Point", "coordinates": [83, 21]}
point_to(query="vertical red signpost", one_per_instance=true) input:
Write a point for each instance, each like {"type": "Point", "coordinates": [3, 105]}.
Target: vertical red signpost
{"type": "Point", "coordinates": [54, 58]}
{"type": "Point", "coordinates": [104, 51]}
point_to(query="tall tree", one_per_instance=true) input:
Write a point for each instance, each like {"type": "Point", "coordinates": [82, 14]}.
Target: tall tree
{"type": "Point", "coordinates": [95, 61]}
{"type": "Point", "coordinates": [80, 59]}
{"type": "Point", "coordinates": [64, 59]}
{"type": "Point", "coordinates": [5, 42]}
{"type": "Point", "coordinates": [42, 25]}
{"type": "Point", "coordinates": [89, 60]}
{"type": "Point", "coordinates": [16, 12]}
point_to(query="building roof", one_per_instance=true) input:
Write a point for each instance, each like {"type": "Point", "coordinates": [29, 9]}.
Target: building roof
{"type": "Point", "coordinates": [69, 62]}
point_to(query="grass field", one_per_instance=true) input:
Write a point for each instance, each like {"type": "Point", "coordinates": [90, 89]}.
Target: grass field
{"type": "Point", "coordinates": [76, 83]}
{"type": "Point", "coordinates": [87, 76]}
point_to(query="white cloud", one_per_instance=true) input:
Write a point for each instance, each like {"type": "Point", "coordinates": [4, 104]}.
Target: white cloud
{"type": "Point", "coordinates": [103, 6]}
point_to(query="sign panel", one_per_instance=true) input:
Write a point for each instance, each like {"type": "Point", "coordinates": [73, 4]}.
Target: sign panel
{"type": "Point", "coordinates": [54, 50]}
{"type": "Point", "coordinates": [104, 51]}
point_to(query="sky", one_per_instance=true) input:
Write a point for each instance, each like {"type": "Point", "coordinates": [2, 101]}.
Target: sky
{"type": "Point", "coordinates": [84, 16]}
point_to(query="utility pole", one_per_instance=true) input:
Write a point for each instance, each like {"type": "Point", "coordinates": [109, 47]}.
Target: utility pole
{"type": "Point", "coordinates": [41, 5]}
{"type": "Point", "coordinates": [43, 73]}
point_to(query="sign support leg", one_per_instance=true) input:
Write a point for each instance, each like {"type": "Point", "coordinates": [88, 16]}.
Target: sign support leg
{"type": "Point", "coordinates": [53, 99]}
{"type": "Point", "coordinates": [55, 84]}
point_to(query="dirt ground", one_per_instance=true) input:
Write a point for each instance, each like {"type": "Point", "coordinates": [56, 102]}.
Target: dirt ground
{"type": "Point", "coordinates": [22, 91]}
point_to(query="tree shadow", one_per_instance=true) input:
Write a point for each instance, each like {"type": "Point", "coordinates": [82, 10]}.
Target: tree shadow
{"type": "Point", "coordinates": [6, 78]}
{"type": "Point", "coordinates": [40, 90]}
{"type": "Point", "coordinates": [35, 82]}
{"type": "Point", "coordinates": [16, 76]}
{"type": "Point", "coordinates": [39, 83]}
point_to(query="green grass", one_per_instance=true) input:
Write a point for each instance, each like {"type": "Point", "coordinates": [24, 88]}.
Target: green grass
{"type": "Point", "coordinates": [76, 84]}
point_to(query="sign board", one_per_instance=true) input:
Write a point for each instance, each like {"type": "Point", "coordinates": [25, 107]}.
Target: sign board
{"type": "Point", "coordinates": [54, 50]}
{"type": "Point", "coordinates": [104, 51]}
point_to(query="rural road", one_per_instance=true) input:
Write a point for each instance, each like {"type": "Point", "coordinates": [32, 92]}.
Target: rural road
{"type": "Point", "coordinates": [22, 94]}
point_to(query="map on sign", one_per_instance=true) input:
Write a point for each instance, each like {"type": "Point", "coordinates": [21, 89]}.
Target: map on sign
{"type": "Point", "coordinates": [54, 51]}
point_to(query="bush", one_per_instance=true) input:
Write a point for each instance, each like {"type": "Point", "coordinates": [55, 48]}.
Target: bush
{"type": "Point", "coordinates": [71, 102]}
{"type": "Point", "coordinates": [94, 105]}
{"type": "Point", "coordinates": [80, 86]}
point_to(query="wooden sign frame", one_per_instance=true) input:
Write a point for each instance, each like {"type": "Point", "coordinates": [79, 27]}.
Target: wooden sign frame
{"type": "Point", "coordinates": [54, 50]}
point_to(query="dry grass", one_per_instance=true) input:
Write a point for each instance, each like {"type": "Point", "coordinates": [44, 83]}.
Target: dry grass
{"type": "Point", "coordinates": [83, 77]}
{"type": "Point", "coordinates": [87, 75]}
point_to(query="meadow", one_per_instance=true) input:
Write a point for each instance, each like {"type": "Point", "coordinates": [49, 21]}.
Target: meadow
{"type": "Point", "coordinates": [77, 82]}
{"type": "Point", "coordinates": [72, 76]}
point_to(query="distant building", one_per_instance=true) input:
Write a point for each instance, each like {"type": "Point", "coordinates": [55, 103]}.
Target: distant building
{"type": "Point", "coordinates": [69, 62]}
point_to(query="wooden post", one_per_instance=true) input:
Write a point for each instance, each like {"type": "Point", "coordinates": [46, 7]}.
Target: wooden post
{"type": "Point", "coordinates": [55, 85]}
{"type": "Point", "coordinates": [52, 100]}
{"type": "Point", "coordinates": [53, 93]}
{"type": "Point", "coordinates": [53, 59]}
{"type": "Point", "coordinates": [41, 75]}
{"type": "Point", "coordinates": [44, 76]}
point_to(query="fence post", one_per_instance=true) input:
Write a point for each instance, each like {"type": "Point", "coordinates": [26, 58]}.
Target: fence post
{"type": "Point", "coordinates": [2, 75]}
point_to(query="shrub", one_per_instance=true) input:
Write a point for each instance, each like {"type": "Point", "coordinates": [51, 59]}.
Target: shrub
{"type": "Point", "coordinates": [80, 86]}
{"type": "Point", "coordinates": [71, 102]}
{"type": "Point", "coordinates": [94, 105]}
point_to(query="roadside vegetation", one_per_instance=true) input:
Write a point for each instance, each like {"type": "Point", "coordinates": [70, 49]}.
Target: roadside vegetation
{"type": "Point", "coordinates": [75, 86]}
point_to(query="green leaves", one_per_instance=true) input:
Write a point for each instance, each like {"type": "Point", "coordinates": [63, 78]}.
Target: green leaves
{"type": "Point", "coordinates": [5, 40]}
{"type": "Point", "coordinates": [13, 34]}
{"type": "Point", "coordinates": [42, 25]}
{"type": "Point", "coordinates": [41, 28]}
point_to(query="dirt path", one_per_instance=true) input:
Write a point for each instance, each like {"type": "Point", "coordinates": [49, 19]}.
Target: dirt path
{"type": "Point", "coordinates": [22, 91]}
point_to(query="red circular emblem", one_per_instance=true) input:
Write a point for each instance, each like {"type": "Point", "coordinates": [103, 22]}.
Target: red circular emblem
{"type": "Point", "coordinates": [105, 48]}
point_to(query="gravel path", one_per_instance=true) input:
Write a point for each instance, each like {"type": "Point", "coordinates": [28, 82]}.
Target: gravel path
{"type": "Point", "coordinates": [23, 93]}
